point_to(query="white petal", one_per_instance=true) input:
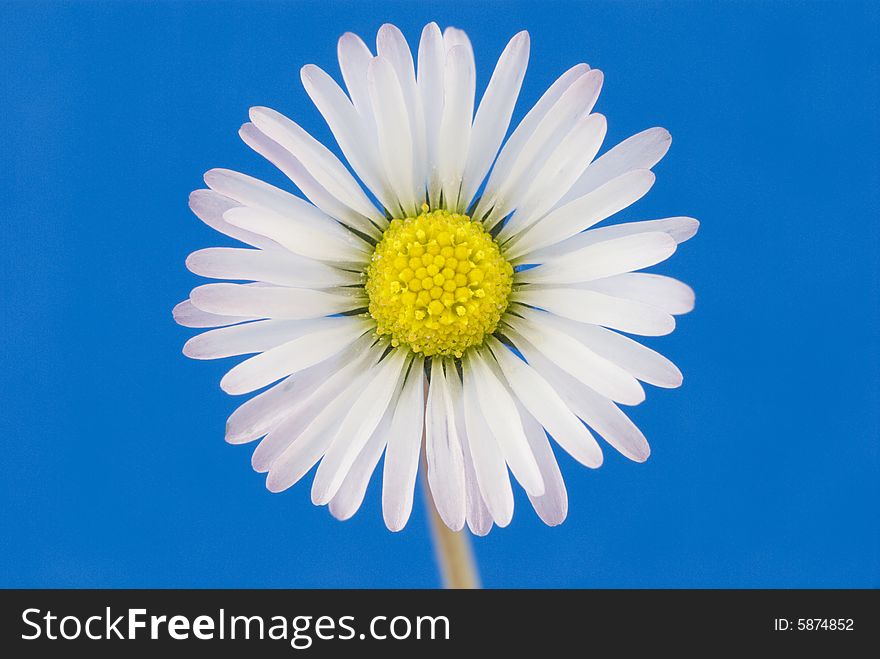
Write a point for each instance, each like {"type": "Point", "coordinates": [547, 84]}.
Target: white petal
{"type": "Point", "coordinates": [454, 37]}
{"type": "Point", "coordinates": [391, 44]}
{"type": "Point", "coordinates": [493, 114]}
{"type": "Point", "coordinates": [527, 126]}
{"type": "Point", "coordinates": [432, 62]}
{"type": "Point", "coordinates": [353, 135]}
{"type": "Point", "coordinates": [582, 213]}
{"type": "Point", "coordinates": [275, 266]}
{"type": "Point", "coordinates": [260, 414]}
{"type": "Point", "coordinates": [443, 452]}
{"type": "Point", "coordinates": [302, 234]}
{"type": "Point", "coordinates": [564, 165]}
{"type": "Point", "coordinates": [256, 194]}
{"type": "Point", "coordinates": [503, 420]}
{"type": "Point", "coordinates": [489, 466]}
{"type": "Point", "coordinates": [354, 58]}
{"type": "Point", "coordinates": [260, 196]}
{"type": "Point", "coordinates": [188, 315]}
{"type": "Point", "coordinates": [317, 159]}
{"type": "Point", "coordinates": [296, 355]}
{"type": "Point", "coordinates": [575, 358]}
{"type": "Point", "coordinates": [310, 187]}
{"type": "Point", "coordinates": [479, 519]}
{"type": "Point", "coordinates": [404, 447]}
{"type": "Point", "coordinates": [304, 450]}
{"type": "Point", "coordinates": [600, 260]}
{"type": "Point", "coordinates": [305, 446]}
{"type": "Point", "coordinates": [552, 506]}
{"type": "Point", "coordinates": [638, 360]}
{"type": "Point", "coordinates": [601, 414]}
{"type": "Point", "coordinates": [348, 498]}
{"type": "Point", "coordinates": [502, 195]}
{"type": "Point", "coordinates": [641, 151]}
{"type": "Point", "coordinates": [679, 229]}
{"type": "Point", "coordinates": [357, 427]}
{"type": "Point", "coordinates": [247, 338]}
{"type": "Point", "coordinates": [272, 301]}
{"type": "Point", "coordinates": [666, 293]}
{"type": "Point", "coordinates": [455, 126]}
{"type": "Point", "coordinates": [209, 207]}
{"type": "Point", "coordinates": [308, 396]}
{"type": "Point", "coordinates": [393, 131]}
{"type": "Point", "coordinates": [596, 308]}
{"type": "Point", "coordinates": [544, 403]}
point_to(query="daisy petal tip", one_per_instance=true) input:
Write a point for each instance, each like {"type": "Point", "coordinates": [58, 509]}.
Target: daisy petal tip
{"type": "Point", "coordinates": [480, 532]}
{"type": "Point", "coordinates": [456, 525]}
{"type": "Point", "coordinates": [258, 464]}
{"type": "Point", "coordinates": [215, 176]}
{"type": "Point", "coordinates": [661, 137]}
{"type": "Point", "coordinates": [522, 39]}
{"type": "Point", "coordinates": [348, 38]}
{"type": "Point", "coordinates": [308, 73]}
{"type": "Point", "coordinates": [555, 517]}
{"type": "Point", "coordinates": [258, 112]}
{"type": "Point", "coordinates": [638, 453]}
{"type": "Point", "coordinates": [178, 313]}
{"type": "Point", "coordinates": [341, 515]}
{"type": "Point", "coordinates": [193, 199]}
{"type": "Point", "coordinates": [388, 28]}
{"type": "Point", "coordinates": [633, 398]}
{"type": "Point", "coordinates": [273, 483]}
{"type": "Point", "coordinates": [691, 226]}
{"type": "Point", "coordinates": [198, 294]}
{"type": "Point", "coordinates": [231, 386]}
{"type": "Point", "coordinates": [321, 496]}
{"type": "Point", "coordinates": [237, 439]}
{"type": "Point", "coordinates": [247, 131]}
{"type": "Point", "coordinates": [536, 489]}
{"type": "Point", "coordinates": [394, 525]}
{"type": "Point", "coordinates": [690, 302]}
{"type": "Point", "coordinates": [666, 328]}
{"type": "Point", "coordinates": [189, 351]}
{"type": "Point", "coordinates": [192, 263]}
{"type": "Point", "coordinates": [503, 522]}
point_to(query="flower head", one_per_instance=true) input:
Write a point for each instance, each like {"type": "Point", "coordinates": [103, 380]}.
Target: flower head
{"type": "Point", "coordinates": [451, 288]}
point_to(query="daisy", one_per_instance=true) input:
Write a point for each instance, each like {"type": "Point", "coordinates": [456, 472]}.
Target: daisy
{"type": "Point", "coordinates": [443, 289]}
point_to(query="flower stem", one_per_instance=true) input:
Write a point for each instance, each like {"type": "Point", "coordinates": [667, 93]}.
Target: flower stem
{"type": "Point", "coordinates": [455, 557]}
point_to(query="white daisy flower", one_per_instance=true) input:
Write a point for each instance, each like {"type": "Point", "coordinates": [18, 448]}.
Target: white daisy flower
{"type": "Point", "coordinates": [443, 289]}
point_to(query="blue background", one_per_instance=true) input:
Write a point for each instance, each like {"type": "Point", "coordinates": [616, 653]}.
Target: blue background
{"type": "Point", "coordinates": [765, 464]}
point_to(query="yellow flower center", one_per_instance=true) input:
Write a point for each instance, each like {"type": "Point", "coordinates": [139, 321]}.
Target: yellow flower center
{"type": "Point", "coordinates": [437, 283]}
